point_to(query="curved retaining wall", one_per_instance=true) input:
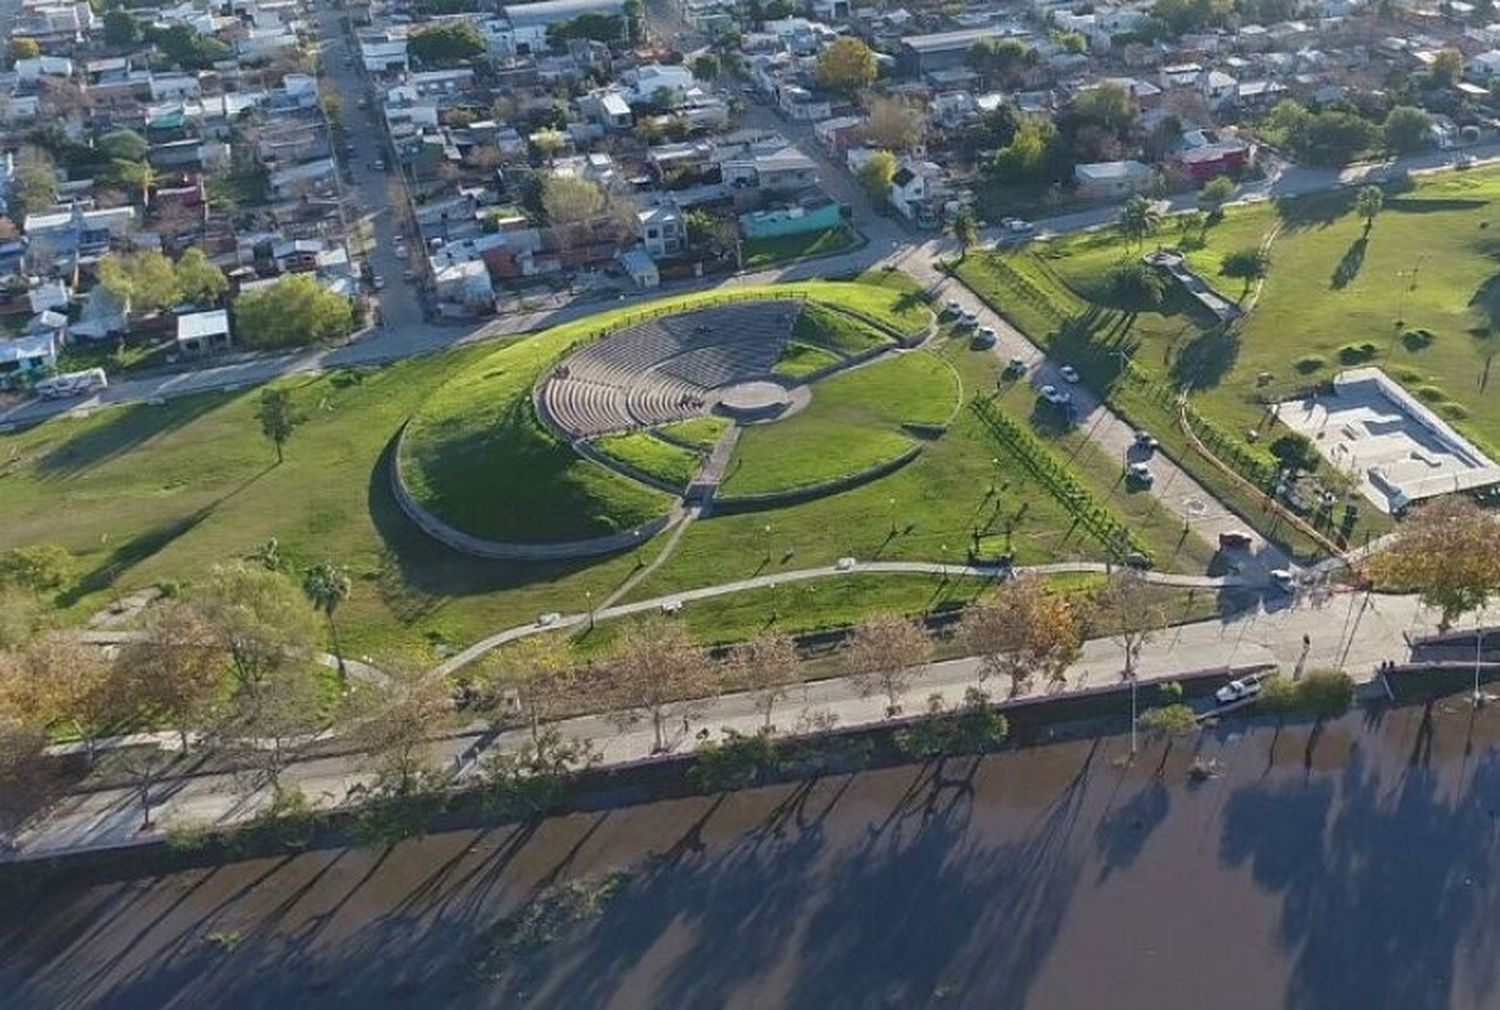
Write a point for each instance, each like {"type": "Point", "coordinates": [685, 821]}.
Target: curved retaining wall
{"type": "Point", "coordinates": [796, 496]}
{"type": "Point", "coordinates": [498, 550]}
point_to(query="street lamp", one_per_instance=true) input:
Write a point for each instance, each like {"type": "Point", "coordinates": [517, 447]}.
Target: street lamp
{"type": "Point", "coordinates": [1478, 653]}
{"type": "Point", "coordinates": [892, 503]}
{"type": "Point", "coordinates": [767, 531]}
{"type": "Point", "coordinates": [588, 596]}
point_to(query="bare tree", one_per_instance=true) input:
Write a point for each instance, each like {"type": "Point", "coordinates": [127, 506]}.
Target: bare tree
{"type": "Point", "coordinates": [395, 727]}
{"type": "Point", "coordinates": [268, 727]}
{"type": "Point", "coordinates": [1130, 612]}
{"type": "Point", "coordinates": [659, 673]}
{"type": "Point", "coordinates": [883, 657]}
{"type": "Point", "coordinates": [895, 124]}
{"type": "Point", "coordinates": [769, 668]}
{"type": "Point", "coordinates": [1023, 631]}
{"type": "Point", "coordinates": [27, 779]}
{"type": "Point", "coordinates": [177, 667]}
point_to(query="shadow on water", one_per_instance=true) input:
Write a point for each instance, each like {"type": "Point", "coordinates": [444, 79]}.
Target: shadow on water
{"type": "Point", "coordinates": [128, 428]}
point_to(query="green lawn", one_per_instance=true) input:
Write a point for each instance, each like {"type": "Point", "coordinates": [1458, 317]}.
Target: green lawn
{"type": "Point", "coordinates": [652, 456]}
{"type": "Point", "coordinates": [699, 432]}
{"type": "Point", "coordinates": [800, 360]}
{"type": "Point", "coordinates": [837, 332]}
{"type": "Point", "coordinates": [852, 425]}
{"type": "Point", "coordinates": [763, 252]}
{"type": "Point", "coordinates": [476, 456]}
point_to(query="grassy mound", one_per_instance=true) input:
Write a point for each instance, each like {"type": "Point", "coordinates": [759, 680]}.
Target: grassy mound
{"type": "Point", "coordinates": [800, 360]}
{"type": "Point", "coordinates": [853, 424]}
{"type": "Point", "coordinates": [699, 433]}
{"type": "Point", "coordinates": [476, 456]}
{"type": "Point", "coordinates": [836, 331]}
{"type": "Point", "coordinates": [671, 464]}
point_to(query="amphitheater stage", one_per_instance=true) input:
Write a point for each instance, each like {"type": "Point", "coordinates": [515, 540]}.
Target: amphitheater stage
{"type": "Point", "coordinates": [750, 402]}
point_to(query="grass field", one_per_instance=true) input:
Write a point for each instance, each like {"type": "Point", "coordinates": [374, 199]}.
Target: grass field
{"type": "Point", "coordinates": [837, 332]}
{"type": "Point", "coordinates": [699, 432]}
{"type": "Point", "coordinates": [852, 425]}
{"type": "Point", "coordinates": [763, 252]}
{"type": "Point", "coordinates": [652, 456]}
{"type": "Point", "coordinates": [476, 456]}
{"type": "Point", "coordinates": [800, 360]}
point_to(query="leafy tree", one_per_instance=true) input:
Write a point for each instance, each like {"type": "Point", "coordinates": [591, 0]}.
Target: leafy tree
{"type": "Point", "coordinates": [73, 685]}
{"type": "Point", "coordinates": [1422, 557]}
{"type": "Point", "coordinates": [279, 417]}
{"type": "Point", "coordinates": [176, 667]}
{"type": "Point", "coordinates": [1170, 720]}
{"type": "Point", "coordinates": [659, 674]}
{"type": "Point", "coordinates": [256, 619]}
{"type": "Point", "coordinates": [23, 48]}
{"type": "Point", "coordinates": [595, 27]}
{"type": "Point", "coordinates": [1447, 67]}
{"type": "Point", "coordinates": [1288, 122]}
{"type": "Point", "coordinates": [1001, 60]}
{"type": "Point", "coordinates": [1248, 263]}
{"type": "Point", "coordinates": [296, 310]}
{"type": "Point", "coordinates": [894, 124]}
{"type": "Point", "coordinates": [184, 46]}
{"type": "Point", "coordinates": [875, 177]}
{"type": "Point", "coordinates": [326, 586]}
{"type": "Point", "coordinates": [453, 42]}
{"type": "Point", "coordinates": [199, 279]}
{"type": "Point", "coordinates": [137, 174]}
{"type": "Point", "coordinates": [972, 728]}
{"type": "Point", "coordinates": [1137, 285]}
{"type": "Point", "coordinates": [1139, 219]}
{"type": "Point", "coordinates": [1407, 129]}
{"type": "Point", "coordinates": [738, 761]}
{"type": "Point", "coordinates": [535, 678]}
{"type": "Point", "coordinates": [768, 668]}
{"type": "Point", "coordinates": [1213, 196]}
{"type": "Point", "coordinates": [1108, 105]}
{"type": "Point", "coordinates": [847, 66]}
{"type": "Point", "coordinates": [570, 204]}
{"type": "Point", "coordinates": [1024, 159]}
{"type": "Point", "coordinates": [38, 568]}
{"type": "Point", "coordinates": [1295, 452]}
{"type": "Point", "coordinates": [635, 18]}
{"type": "Point", "coordinates": [707, 67]}
{"type": "Point", "coordinates": [1128, 611]}
{"type": "Point", "coordinates": [700, 225]}
{"type": "Point", "coordinates": [146, 280]}
{"type": "Point", "coordinates": [36, 182]}
{"type": "Point", "coordinates": [1368, 204]}
{"type": "Point", "coordinates": [1178, 17]}
{"type": "Point", "coordinates": [549, 143]}
{"type": "Point", "coordinates": [1071, 42]}
{"type": "Point", "coordinates": [883, 655]}
{"type": "Point", "coordinates": [965, 230]}
{"type": "Point", "coordinates": [1335, 137]}
{"type": "Point", "coordinates": [123, 145]}
{"type": "Point", "coordinates": [1327, 694]}
{"type": "Point", "coordinates": [1024, 630]}
{"type": "Point", "coordinates": [120, 27]}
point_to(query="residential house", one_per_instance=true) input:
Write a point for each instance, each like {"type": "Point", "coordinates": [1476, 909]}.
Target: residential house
{"type": "Point", "coordinates": [813, 214]}
{"type": "Point", "coordinates": [1112, 179]}
{"type": "Point", "coordinates": [916, 189]}
{"type": "Point", "coordinates": [920, 54]}
{"type": "Point", "coordinates": [663, 231]}
{"type": "Point", "coordinates": [522, 29]}
{"type": "Point", "coordinates": [200, 333]}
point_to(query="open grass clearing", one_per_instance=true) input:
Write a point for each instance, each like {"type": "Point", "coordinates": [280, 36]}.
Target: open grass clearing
{"type": "Point", "coordinates": [800, 360]}
{"type": "Point", "coordinates": [840, 333]}
{"type": "Point", "coordinates": [652, 456]}
{"type": "Point", "coordinates": [698, 432]}
{"type": "Point", "coordinates": [764, 252]}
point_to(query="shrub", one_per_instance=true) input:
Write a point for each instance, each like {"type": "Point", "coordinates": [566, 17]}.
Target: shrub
{"type": "Point", "coordinates": [738, 761]}
{"type": "Point", "coordinates": [1170, 720]}
{"type": "Point", "coordinates": [1430, 394]}
{"type": "Point", "coordinates": [1356, 354]}
{"type": "Point", "coordinates": [1247, 264]}
{"type": "Point", "coordinates": [1408, 375]}
{"type": "Point", "coordinates": [1417, 340]}
{"type": "Point", "coordinates": [1327, 694]}
{"type": "Point", "coordinates": [1309, 363]}
{"type": "Point", "coordinates": [1454, 411]}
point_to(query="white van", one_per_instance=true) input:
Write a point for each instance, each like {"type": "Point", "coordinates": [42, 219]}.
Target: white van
{"type": "Point", "coordinates": [72, 384]}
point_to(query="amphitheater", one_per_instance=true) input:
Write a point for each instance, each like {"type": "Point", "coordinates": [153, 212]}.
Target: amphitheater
{"type": "Point", "coordinates": [667, 369]}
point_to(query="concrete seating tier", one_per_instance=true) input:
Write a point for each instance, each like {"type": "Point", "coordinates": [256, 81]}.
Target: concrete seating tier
{"type": "Point", "coordinates": [662, 370]}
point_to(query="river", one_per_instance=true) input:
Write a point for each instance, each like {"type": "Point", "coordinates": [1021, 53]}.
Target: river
{"type": "Point", "coordinates": [1357, 872]}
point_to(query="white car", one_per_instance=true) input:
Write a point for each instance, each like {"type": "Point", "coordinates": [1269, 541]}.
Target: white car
{"type": "Point", "coordinates": [1056, 397]}
{"type": "Point", "coordinates": [1069, 373]}
{"type": "Point", "coordinates": [548, 619]}
{"type": "Point", "coordinates": [400, 248]}
{"type": "Point", "coordinates": [845, 564]}
{"type": "Point", "coordinates": [1283, 580]}
{"type": "Point", "coordinates": [953, 309]}
{"type": "Point", "coordinates": [1140, 475]}
{"type": "Point", "coordinates": [671, 607]}
{"type": "Point", "coordinates": [1238, 690]}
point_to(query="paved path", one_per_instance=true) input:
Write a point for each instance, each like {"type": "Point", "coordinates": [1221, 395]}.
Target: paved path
{"type": "Point", "coordinates": [1348, 630]}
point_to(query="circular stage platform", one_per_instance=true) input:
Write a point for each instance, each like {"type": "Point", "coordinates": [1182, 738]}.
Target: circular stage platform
{"type": "Point", "coordinates": [754, 401]}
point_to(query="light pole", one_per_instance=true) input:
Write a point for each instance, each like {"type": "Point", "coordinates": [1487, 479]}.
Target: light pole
{"type": "Point", "coordinates": [892, 503]}
{"type": "Point", "coordinates": [766, 530]}
{"type": "Point", "coordinates": [1478, 653]}
{"type": "Point", "coordinates": [588, 597]}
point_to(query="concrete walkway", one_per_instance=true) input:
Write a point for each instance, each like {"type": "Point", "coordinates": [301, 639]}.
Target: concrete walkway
{"type": "Point", "coordinates": [1352, 631]}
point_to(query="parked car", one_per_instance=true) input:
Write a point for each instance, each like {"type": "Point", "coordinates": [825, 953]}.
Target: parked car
{"type": "Point", "coordinates": [1140, 562]}
{"type": "Point", "coordinates": [1056, 397]}
{"type": "Point", "coordinates": [377, 282]}
{"type": "Point", "coordinates": [1015, 368]}
{"type": "Point", "coordinates": [968, 318]}
{"type": "Point", "coordinates": [1238, 690]}
{"type": "Point", "coordinates": [1283, 580]}
{"type": "Point", "coordinates": [1069, 373]}
{"type": "Point", "coordinates": [400, 248]}
{"type": "Point", "coordinates": [378, 164]}
{"type": "Point", "coordinates": [1145, 441]}
{"type": "Point", "coordinates": [1464, 161]}
{"type": "Point", "coordinates": [68, 384]}
{"type": "Point", "coordinates": [985, 336]}
{"type": "Point", "coordinates": [1235, 540]}
{"type": "Point", "coordinates": [1140, 475]}
{"type": "Point", "coordinates": [953, 309]}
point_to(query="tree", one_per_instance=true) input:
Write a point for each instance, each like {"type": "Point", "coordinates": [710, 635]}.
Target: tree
{"type": "Point", "coordinates": [144, 280]}
{"type": "Point", "coordinates": [394, 726]}
{"type": "Point", "coordinates": [199, 278]}
{"type": "Point", "coordinates": [257, 619]}
{"type": "Point", "coordinates": [707, 67]}
{"type": "Point", "coordinates": [965, 230]}
{"type": "Point", "coordinates": [1138, 219]}
{"type": "Point", "coordinates": [269, 726]}
{"type": "Point", "coordinates": [1110, 106]}
{"type": "Point", "coordinates": [1024, 630]}
{"type": "Point", "coordinates": [883, 655]}
{"type": "Point", "coordinates": [1128, 611]}
{"type": "Point", "coordinates": [1213, 196]}
{"type": "Point", "coordinates": [24, 48]}
{"type": "Point", "coordinates": [1167, 722]}
{"type": "Point", "coordinates": [635, 18]}
{"type": "Point", "coordinates": [294, 311]}
{"type": "Point", "coordinates": [1295, 452]}
{"type": "Point", "coordinates": [326, 586]}
{"type": "Point", "coordinates": [137, 174]}
{"type": "Point", "coordinates": [1024, 159]}
{"type": "Point", "coordinates": [1447, 67]}
{"type": "Point", "coordinates": [120, 27]}
{"type": "Point", "coordinates": [1407, 129]}
{"type": "Point", "coordinates": [1137, 285]}
{"type": "Point", "coordinates": [875, 177]}
{"type": "Point", "coordinates": [657, 672]}
{"type": "Point", "coordinates": [1249, 263]}
{"type": "Point", "coordinates": [38, 568]}
{"type": "Point", "coordinates": [27, 780]}
{"type": "Point", "coordinates": [279, 417]}
{"type": "Point", "coordinates": [74, 685]}
{"type": "Point", "coordinates": [1368, 204]}
{"type": "Point", "coordinates": [768, 667]}
{"type": "Point", "coordinates": [894, 124]}
{"type": "Point", "coordinates": [1327, 694]}
{"type": "Point", "coordinates": [1335, 137]}
{"type": "Point", "coordinates": [452, 42]}
{"type": "Point", "coordinates": [36, 181]}
{"type": "Point", "coordinates": [534, 678]}
{"type": "Point", "coordinates": [847, 66]}
{"type": "Point", "coordinates": [570, 203]}
{"type": "Point", "coordinates": [700, 226]}
{"type": "Point", "coordinates": [123, 145]}
{"type": "Point", "coordinates": [1422, 558]}
{"type": "Point", "coordinates": [176, 667]}
{"type": "Point", "coordinates": [999, 61]}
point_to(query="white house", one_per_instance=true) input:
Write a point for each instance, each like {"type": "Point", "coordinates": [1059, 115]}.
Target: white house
{"type": "Point", "coordinates": [1106, 179]}
{"type": "Point", "coordinates": [467, 283]}
{"type": "Point", "coordinates": [663, 231]}
{"type": "Point", "coordinates": [914, 187]}
{"type": "Point", "coordinates": [203, 332]}
{"type": "Point", "coordinates": [381, 57]}
{"type": "Point", "coordinates": [1485, 66]}
{"type": "Point", "coordinates": [655, 77]}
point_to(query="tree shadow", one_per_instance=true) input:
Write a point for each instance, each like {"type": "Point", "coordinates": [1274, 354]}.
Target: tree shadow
{"type": "Point", "coordinates": [1349, 265]}
{"type": "Point", "coordinates": [1122, 833]}
{"type": "Point", "coordinates": [1207, 359]}
{"type": "Point", "coordinates": [1486, 302]}
{"type": "Point", "coordinates": [1317, 210]}
{"type": "Point", "coordinates": [123, 430]}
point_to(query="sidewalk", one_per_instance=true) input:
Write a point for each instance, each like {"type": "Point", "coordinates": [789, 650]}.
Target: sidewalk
{"type": "Point", "coordinates": [1348, 630]}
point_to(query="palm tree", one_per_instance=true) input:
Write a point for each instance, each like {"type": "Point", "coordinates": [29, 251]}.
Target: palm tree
{"type": "Point", "coordinates": [1138, 218]}
{"type": "Point", "coordinates": [327, 585]}
{"type": "Point", "coordinates": [1368, 204]}
{"type": "Point", "coordinates": [965, 229]}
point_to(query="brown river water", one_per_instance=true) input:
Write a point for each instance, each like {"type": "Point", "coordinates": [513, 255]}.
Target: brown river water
{"type": "Point", "coordinates": [1358, 872]}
